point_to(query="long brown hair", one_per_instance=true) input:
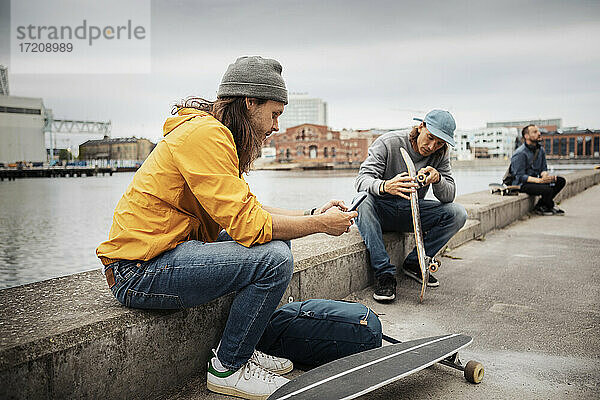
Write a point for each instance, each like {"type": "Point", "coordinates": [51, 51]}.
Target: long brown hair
{"type": "Point", "coordinates": [233, 113]}
{"type": "Point", "coordinates": [414, 134]}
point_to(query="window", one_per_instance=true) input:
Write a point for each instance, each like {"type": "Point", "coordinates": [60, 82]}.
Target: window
{"type": "Point", "coordinates": [579, 146]}
{"type": "Point", "coordinates": [555, 146]}
{"type": "Point", "coordinates": [547, 145]}
{"type": "Point", "coordinates": [325, 152]}
{"type": "Point", "coordinates": [333, 152]}
{"type": "Point", "coordinates": [572, 146]}
{"type": "Point", "coordinates": [563, 147]}
{"type": "Point", "coordinates": [20, 110]}
{"type": "Point", "coordinates": [588, 145]}
{"type": "Point", "coordinates": [596, 144]}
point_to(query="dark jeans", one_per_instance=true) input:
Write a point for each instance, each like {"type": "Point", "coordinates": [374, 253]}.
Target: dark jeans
{"type": "Point", "coordinates": [439, 221]}
{"type": "Point", "coordinates": [547, 190]}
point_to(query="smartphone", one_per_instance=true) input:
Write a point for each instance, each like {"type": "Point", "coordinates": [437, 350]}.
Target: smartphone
{"type": "Point", "coordinates": [361, 197]}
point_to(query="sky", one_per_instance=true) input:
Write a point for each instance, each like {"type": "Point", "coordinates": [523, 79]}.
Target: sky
{"type": "Point", "coordinates": [376, 63]}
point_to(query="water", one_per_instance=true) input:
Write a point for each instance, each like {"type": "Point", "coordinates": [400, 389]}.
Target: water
{"type": "Point", "coordinates": [51, 227]}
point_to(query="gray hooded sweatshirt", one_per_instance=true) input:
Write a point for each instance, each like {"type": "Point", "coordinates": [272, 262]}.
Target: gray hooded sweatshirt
{"type": "Point", "coordinates": [385, 162]}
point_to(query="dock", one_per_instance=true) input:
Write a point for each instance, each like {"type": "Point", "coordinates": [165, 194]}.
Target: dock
{"type": "Point", "coordinates": [53, 172]}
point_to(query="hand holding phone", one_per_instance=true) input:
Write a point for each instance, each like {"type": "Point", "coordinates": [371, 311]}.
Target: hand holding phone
{"type": "Point", "coordinates": [361, 197]}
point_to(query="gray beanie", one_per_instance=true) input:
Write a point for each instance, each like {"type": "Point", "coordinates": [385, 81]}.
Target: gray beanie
{"type": "Point", "coordinates": [254, 77]}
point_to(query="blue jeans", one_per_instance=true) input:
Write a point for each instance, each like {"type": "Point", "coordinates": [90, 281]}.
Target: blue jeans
{"type": "Point", "coordinates": [196, 272]}
{"type": "Point", "coordinates": [439, 221]}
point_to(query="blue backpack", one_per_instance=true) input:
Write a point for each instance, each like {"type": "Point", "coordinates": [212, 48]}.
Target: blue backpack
{"type": "Point", "coordinates": [314, 332]}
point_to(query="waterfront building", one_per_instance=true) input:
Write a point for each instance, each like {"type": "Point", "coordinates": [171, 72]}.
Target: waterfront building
{"type": "Point", "coordinates": [499, 141]}
{"type": "Point", "coordinates": [544, 124]}
{"type": "Point", "coordinates": [462, 150]}
{"type": "Point", "coordinates": [356, 144]}
{"type": "Point", "coordinates": [496, 142]}
{"type": "Point", "coordinates": [22, 121]}
{"type": "Point", "coordinates": [134, 150]}
{"type": "Point", "coordinates": [303, 109]}
{"type": "Point", "coordinates": [573, 144]}
{"type": "Point", "coordinates": [268, 153]}
{"type": "Point", "coordinates": [318, 144]}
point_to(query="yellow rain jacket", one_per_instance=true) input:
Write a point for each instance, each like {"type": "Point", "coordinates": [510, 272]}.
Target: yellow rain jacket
{"type": "Point", "coordinates": [187, 189]}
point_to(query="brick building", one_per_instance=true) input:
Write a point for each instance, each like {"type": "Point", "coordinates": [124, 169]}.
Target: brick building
{"type": "Point", "coordinates": [311, 143]}
{"type": "Point", "coordinates": [572, 144]}
{"type": "Point", "coordinates": [107, 148]}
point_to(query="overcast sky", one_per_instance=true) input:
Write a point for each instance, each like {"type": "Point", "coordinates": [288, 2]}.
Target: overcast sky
{"type": "Point", "coordinates": [376, 63]}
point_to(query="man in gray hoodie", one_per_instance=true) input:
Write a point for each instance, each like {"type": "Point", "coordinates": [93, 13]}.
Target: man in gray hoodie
{"type": "Point", "coordinates": [387, 208]}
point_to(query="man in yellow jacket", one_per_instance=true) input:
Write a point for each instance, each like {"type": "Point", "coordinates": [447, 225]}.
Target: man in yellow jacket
{"type": "Point", "coordinates": [188, 229]}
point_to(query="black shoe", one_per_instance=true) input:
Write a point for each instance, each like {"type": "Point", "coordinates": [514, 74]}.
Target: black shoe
{"type": "Point", "coordinates": [414, 272]}
{"type": "Point", "coordinates": [558, 211]}
{"type": "Point", "coordinates": [543, 210]}
{"type": "Point", "coordinates": [386, 288]}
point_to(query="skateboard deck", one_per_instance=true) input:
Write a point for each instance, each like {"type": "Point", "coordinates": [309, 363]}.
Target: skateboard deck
{"type": "Point", "coordinates": [502, 189]}
{"type": "Point", "coordinates": [425, 263]}
{"type": "Point", "coordinates": [361, 373]}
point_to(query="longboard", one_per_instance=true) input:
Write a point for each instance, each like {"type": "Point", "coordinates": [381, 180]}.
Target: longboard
{"type": "Point", "coordinates": [361, 373]}
{"type": "Point", "coordinates": [425, 263]}
{"type": "Point", "coordinates": [504, 190]}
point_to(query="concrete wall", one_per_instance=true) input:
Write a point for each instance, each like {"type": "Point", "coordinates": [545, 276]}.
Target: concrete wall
{"type": "Point", "coordinates": [21, 135]}
{"type": "Point", "coordinates": [69, 338]}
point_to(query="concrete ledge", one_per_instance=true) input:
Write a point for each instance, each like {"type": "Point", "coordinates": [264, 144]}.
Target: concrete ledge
{"type": "Point", "coordinates": [69, 338]}
{"type": "Point", "coordinates": [495, 212]}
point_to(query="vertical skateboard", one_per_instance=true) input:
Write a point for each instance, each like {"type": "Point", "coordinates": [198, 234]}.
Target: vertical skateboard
{"type": "Point", "coordinates": [425, 263]}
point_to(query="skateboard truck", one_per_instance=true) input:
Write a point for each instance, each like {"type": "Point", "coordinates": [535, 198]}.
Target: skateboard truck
{"type": "Point", "coordinates": [473, 371]}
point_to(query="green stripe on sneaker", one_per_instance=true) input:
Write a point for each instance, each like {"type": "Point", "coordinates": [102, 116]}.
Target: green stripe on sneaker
{"type": "Point", "coordinates": [218, 374]}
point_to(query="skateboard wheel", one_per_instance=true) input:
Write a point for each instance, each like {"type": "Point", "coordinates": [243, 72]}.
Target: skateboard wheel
{"type": "Point", "coordinates": [434, 265]}
{"type": "Point", "coordinates": [474, 372]}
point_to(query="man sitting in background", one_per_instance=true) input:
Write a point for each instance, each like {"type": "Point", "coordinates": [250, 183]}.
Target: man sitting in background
{"type": "Point", "coordinates": [529, 168]}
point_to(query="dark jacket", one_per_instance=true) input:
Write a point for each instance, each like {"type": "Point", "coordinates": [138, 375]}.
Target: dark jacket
{"type": "Point", "coordinates": [521, 165]}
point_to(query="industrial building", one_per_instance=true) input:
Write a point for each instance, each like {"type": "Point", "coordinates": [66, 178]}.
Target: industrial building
{"type": "Point", "coordinates": [574, 144]}
{"type": "Point", "coordinates": [22, 121]}
{"type": "Point", "coordinates": [134, 150]}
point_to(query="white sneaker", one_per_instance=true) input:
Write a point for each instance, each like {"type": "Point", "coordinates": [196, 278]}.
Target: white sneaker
{"type": "Point", "coordinates": [251, 381]}
{"type": "Point", "coordinates": [278, 365]}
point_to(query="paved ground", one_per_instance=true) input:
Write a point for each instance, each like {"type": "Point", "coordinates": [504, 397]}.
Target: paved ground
{"type": "Point", "coordinates": [529, 295]}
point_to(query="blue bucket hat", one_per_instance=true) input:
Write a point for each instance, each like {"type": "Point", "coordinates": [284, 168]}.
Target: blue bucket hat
{"type": "Point", "coordinates": [441, 124]}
